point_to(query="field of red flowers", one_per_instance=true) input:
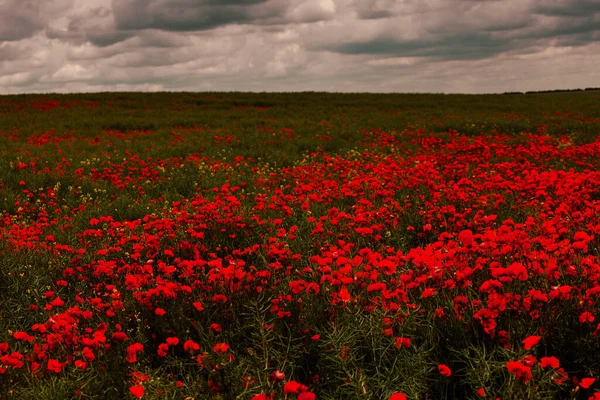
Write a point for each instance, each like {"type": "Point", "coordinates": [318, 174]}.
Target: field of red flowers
{"type": "Point", "coordinates": [207, 247]}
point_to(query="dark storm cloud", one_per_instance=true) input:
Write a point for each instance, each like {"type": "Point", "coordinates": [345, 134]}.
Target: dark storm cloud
{"type": "Point", "coordinates": [509, 26]}
{"type": "Point", "coordinates": [102, 39]}
{"type": "Point", "coordinates": [569, 31]}
{"type": "Point", "coordinates": [583, 28]}
{"type": "Point", "coordinates": [10, 52]}
{"type": "Point", "coordinates": [376, 9]}
{"type": "Point", "coordinates": [183, 15]}
{"type": "Point", "coordinates": [380, 9]}
{"type": "Point", "coordinates": [473, 30]}
{"type": "Point", "coordinates": [160, 39]}
{"type": "Point", "coordinates": [97, 37]}
{"type": "Point", "coordinates": [468, 46]}
{"type": "Point", "coordinates": [202, 15]}
{"type": "Point", "coordinates": [19, 20]}
{"type": "Point", "coordinates": [567, 8]}
{"type": "Point", "coordinates": [95, 26]}
{"type": "Point", "coordinates": [234, 2]}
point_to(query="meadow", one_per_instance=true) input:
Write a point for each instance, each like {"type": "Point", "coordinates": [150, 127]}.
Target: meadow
{"type": "Point", "coordinates": [300, 246]}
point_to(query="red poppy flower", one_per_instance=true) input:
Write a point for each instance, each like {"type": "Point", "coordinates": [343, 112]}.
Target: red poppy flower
{"type": "Point", "coordinates": [88, 354]}
{"type": "Point", "coordinates": [23, 336]}
{"type": "Point", "coordinates": [586, 317]}
{"type": "Point", "coordinates": [191, 346]}
{"type": "Point", "coordinates": [402, 342]}
{"type": "Point", "coordinates": [520, 371]}
{"type": "Point", "coordinates": [530, 342]}
{"type": "Point", "coordinates": [221, 348]}
{"type": "Point", "coordinates": [119, 337]}
{"type": "Point", "coordinates": [529, 360]}
{"type": "Point", "coordinates": [444, 370]}
{"type": "Point", "coordinates": [57, 302]}
{"type": "Point", "coordinates": [163, 348]}
{"type": "Point", "coordinates": [397, 396]}
{"type": "Point", "coordinates": [138, 377]}
{"type": "Point", "coordinates": [294, 387]}
{"type": "Point", "coordinates": [587, 382]}
{"type": "Point", "coordinates": [276, 376]}
{"type": "Point", "coordinates": [80, 364]}
{"type": "Point", "coordinates": [551, 362]}
{"type": "Point", "coordinates": [54, 366]}
{"type": "Point", "coordinates": [344, 295]}
{"type": "Point", "coordinates": [137, 391]}
{"type": "Point", "coordinates": [133, 350]}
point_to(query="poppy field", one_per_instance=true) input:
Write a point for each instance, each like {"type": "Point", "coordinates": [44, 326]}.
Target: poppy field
{"type": "Point", "coordinates": [300, 246]}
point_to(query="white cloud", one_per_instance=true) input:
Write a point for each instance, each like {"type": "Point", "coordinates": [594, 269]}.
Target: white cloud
{"type": "Point", "coordinates": [313, 11]}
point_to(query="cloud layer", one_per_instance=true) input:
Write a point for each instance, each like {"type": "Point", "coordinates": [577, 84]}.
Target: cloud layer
{"type": "Point", "coordinates": [294, 45]}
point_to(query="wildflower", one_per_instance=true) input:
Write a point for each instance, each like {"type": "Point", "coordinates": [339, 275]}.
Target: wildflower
{"type": "Point", "coordinates": [294, 387]}
{"type": "Point", "coordinates": [344, 295]}
{"type": "Point", "coordinates": [587, 382]}
{"type": "Point", "coordinates": [191, 346]}
{"type": "Point", "coordinates": [79, 364]}
{"type": "Point", "coordinates": [221, 348]}
{"type": "Point", "coordinates": [54, 366]}
{"type": "Point", "coordinates": [119, 337]}
{"type": "Point", "coordinates": [88, 354]}
{"type": "Point", "coordinates": [529, 360]}
{"type": "Point", "coordinates": [519, 370]}
{"type": "Point", "coordinates": [137, 391]}
{"type": "Point", "coordinates": [551, 362]}
{"type": "Point", "coordinates": [444, 370]}
{"type": "Point", "coordinates": [530, 342]}
{"type": "Point", "coordinates": [402, 342]}
{"type": "Point", "coordinates": [586, 317]}
{"type": "Point", "coordinates": [133, 350]}
{"type": "Point", "coordinates": [276, 376]}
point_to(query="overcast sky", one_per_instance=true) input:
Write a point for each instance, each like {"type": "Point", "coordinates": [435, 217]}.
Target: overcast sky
{"type": "Point", "coordinates": [466, 46]}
